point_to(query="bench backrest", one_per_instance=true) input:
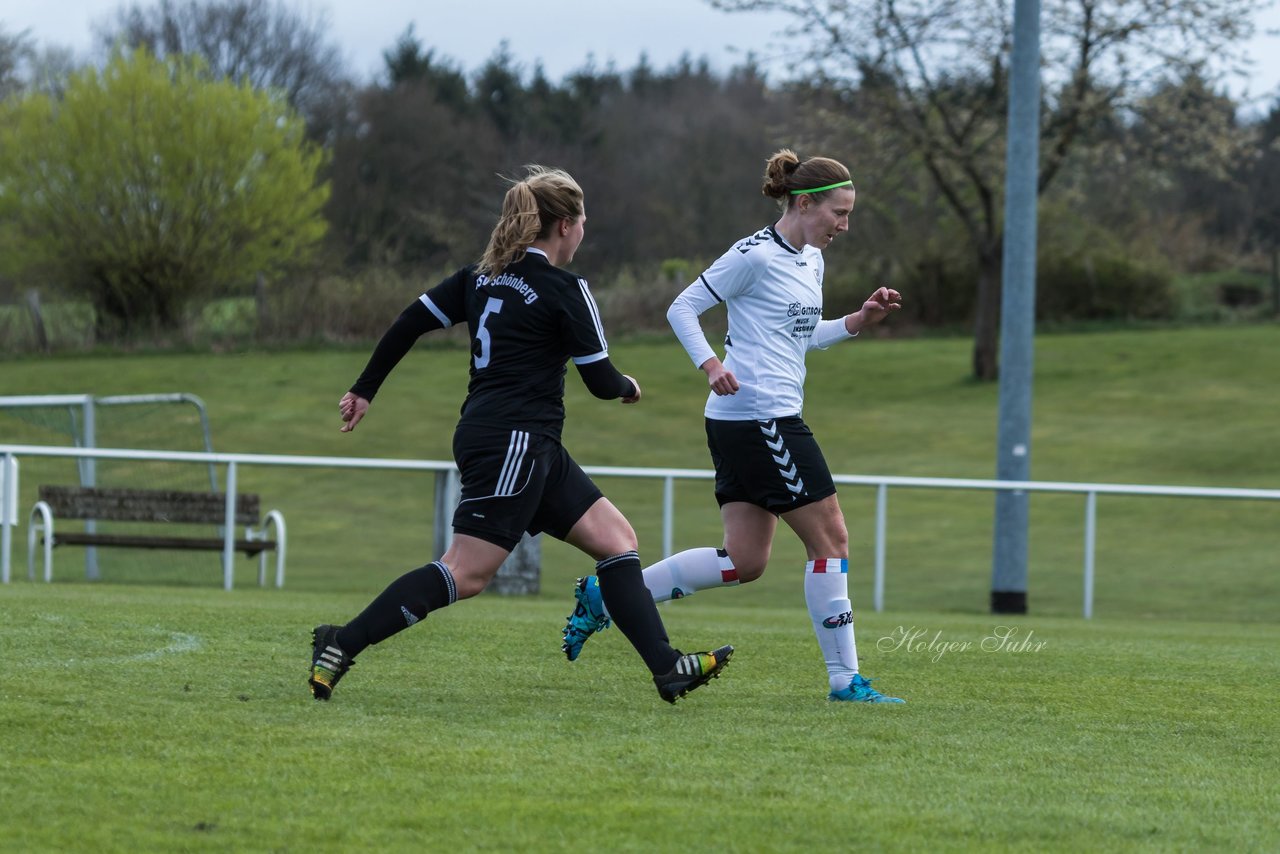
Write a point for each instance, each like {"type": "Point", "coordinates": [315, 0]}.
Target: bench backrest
{"type": "Point", "coordinates": [147, 505]}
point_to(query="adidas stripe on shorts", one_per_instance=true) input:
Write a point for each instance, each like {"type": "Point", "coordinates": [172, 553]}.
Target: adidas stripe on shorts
{"type": "Point", "coordinates": [774, 464]}
{"type": "Point", "coordinates": [515, 481]}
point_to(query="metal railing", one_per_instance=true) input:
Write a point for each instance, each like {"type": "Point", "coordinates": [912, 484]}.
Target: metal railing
{"type": "Point", "coordinates": [446, 486]}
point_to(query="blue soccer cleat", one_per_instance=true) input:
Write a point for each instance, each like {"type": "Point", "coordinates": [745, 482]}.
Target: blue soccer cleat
{"type": "Point", "coordinates": [860, 691]}
{"type": "Point", "coordinates": [588, 616]}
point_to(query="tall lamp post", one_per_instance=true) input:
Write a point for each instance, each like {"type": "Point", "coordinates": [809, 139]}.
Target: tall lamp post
{"type": "Point", "coordinates": [1017, 313]}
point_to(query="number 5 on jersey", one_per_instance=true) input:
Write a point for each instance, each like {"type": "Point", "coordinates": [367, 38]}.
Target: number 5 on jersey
{"type": "Point", "coordinates": [493, 306]}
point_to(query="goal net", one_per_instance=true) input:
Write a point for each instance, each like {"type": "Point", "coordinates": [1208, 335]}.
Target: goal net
{"type": "Point", "coordinates": [164, 422]}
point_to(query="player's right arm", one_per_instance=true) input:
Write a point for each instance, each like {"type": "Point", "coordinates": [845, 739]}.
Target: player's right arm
{"type": "Point", "coordinates": [730, 275]}
{"type": "Point", "coordinates": [438, 308]}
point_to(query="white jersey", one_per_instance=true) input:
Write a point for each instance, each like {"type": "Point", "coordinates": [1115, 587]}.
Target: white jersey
{"type": "Point", "coordinates": [774, 297]}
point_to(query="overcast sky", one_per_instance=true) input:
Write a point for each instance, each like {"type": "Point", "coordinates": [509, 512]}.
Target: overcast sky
{"type": "Point", "coordinates": [560, 34]}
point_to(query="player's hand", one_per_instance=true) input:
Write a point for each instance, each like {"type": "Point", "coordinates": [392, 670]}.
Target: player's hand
{"type": "Point", "coordinates": [878, 306]}
{"type": "Point", "coordinates": [352, 407]}
{"type": "Point", "coordinates": [635, 398]}
{"type": "Point", "coordinates": [720, 378]}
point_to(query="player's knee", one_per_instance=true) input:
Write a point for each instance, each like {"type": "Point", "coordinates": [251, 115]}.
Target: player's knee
{"type": "Point", "coordinates": [832, 540]}
{"type": "Point", "coordinates": [469, 585]}
{"type": "Point", "coordinates": [622, 538]}
{"type": "Point", "coordinates": [604, 532]}
{"type": "Point", "coordinates": [830, 548]}
{"type": "Point", "coordinates": [622, 546]}
{"type": "Point", "coordinates": [471, 581]}
{"type": "Point", "coordinates": [749, 564]}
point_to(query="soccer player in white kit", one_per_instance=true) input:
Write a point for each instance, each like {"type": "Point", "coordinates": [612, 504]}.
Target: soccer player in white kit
{"type": "Point", "coordinates": [767, 463]}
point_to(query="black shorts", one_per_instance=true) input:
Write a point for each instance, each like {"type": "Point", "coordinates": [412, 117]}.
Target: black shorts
{"type": "Point", "coordinates": [515, 481]}
{"type": "Point", "coordinates": [776, 465]}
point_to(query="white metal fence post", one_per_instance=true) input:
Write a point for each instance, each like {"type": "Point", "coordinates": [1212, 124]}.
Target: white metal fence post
{"type": "Point", "coordinates": [668, 515]}
{"type": "Point", "coordinates": [440, 515]}
{"type": "Point", "coordinates": [8, 511]}
{"type": "Point", "coordinates": [89, 477]}
{"type": "Point", "coordinates": [882, 513]}
{"type": "Point", "coordinates": [453, 497]}
{"type": "Point", "coordinates": [1090, 536]}
{"type": "Point", "coordinates": [448, 491]}
{"type": "Point", "coordinates": [229, 533]}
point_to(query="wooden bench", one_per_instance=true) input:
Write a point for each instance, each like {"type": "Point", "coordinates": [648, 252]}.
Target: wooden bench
{"type": "Point", "coordinates": [151, 505]}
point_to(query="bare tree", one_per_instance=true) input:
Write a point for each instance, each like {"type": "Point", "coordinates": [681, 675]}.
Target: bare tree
{"type": "Point", "coordinates": [261, 42]}
{"type": "Point", "coordinates": [24, 67]}
{"type": "Point", "coordinates": [1265, 188]}
{"type": "Point", "coordinates": [15, 53]}
{"type": "Point", "coordinates": [936, 73]}
{"type": "Point", "coordinates": [51, 69]}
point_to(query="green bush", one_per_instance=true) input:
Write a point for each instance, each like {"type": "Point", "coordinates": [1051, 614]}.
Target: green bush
{"type": "Point", "coordinates": [939, 289]}
{"type": "Point", "coordinates": [1102, 286]}
{"type": "Point", "coordinates": [67, 326]}
{"type": "Point", "coordinates": [149, 187]}
{"type": "Point", "coordinates": [1223, 296]}
{"type": "Point", "coordinates": [636, 300]}
{"type": "Point", "coordinates": [354, 307]}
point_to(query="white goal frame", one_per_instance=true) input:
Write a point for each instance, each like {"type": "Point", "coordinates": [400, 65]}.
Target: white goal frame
{"type": "Point", "coordinates": [87, 437]}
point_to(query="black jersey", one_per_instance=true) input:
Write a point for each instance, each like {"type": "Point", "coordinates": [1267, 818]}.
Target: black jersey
{"type": "Point", "coordinates": [526, 323]}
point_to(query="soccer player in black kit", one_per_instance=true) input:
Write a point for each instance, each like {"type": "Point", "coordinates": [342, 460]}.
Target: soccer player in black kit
{"type": "Point", "coordinates": [527, 318]}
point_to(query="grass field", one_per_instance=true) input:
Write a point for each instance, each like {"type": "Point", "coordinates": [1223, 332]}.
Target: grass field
{"type": "Point", "coordinates": [158, 719]}
{"type": "Point", "coordinates": [174, 716]}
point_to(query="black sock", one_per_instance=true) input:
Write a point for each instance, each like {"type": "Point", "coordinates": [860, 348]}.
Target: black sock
{"type": "Point", "coordinates": [631, 606]}
{"type": "Point", "coordinates": [405, 601]}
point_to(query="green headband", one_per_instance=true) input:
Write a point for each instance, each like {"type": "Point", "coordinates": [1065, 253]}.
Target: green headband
{"type": "Point", "coordinates": [848, 183]}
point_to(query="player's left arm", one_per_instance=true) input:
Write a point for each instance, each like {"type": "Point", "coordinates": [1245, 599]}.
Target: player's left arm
{"type": "Point", "coordinates": [604, 381]}
{"type": "Point", "coordinates": [877, 307]}
{"type": "Point", "coordinates": [583, 335]}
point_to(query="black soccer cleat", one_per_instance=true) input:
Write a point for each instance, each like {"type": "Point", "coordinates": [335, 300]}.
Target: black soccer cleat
{"type": "Point", "coordinates": [328, 661]}
{"type": "Point", "coordinates": [692, 671]}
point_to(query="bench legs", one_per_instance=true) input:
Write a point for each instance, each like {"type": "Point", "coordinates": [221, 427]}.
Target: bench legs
{"type": "Point", "coordinates": [34, 529]}
{"type": "Point", "coordinates": [274, 519]}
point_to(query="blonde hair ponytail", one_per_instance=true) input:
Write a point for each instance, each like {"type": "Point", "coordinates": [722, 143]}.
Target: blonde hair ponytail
{"type": "Point", "coordinates": [530, 209]}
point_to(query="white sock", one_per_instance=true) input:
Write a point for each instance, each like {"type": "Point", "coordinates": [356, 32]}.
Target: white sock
{"type": "Point", "coordinates": [826, 592]}
{"type": "Point", "coordinates": [688, 572]}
